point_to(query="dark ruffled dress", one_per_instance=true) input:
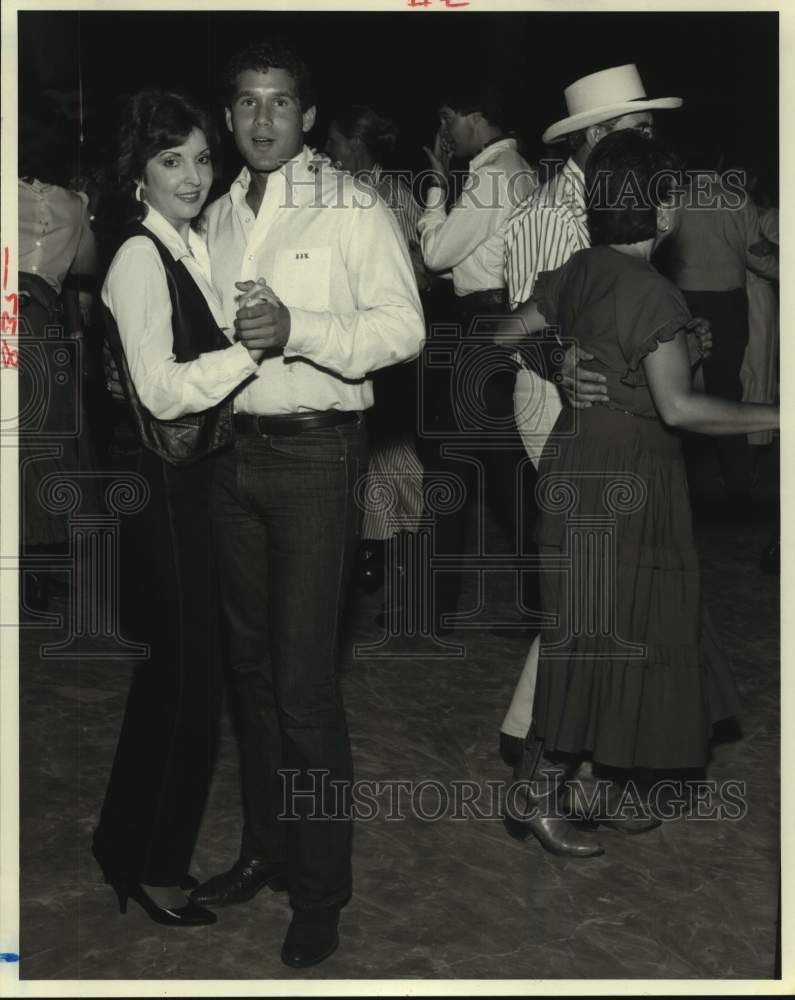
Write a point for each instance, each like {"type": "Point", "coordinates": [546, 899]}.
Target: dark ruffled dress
{"type": "Point", "coordinates": [631, 671]}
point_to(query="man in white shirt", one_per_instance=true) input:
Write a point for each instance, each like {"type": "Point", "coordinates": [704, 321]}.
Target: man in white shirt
{"type": "Point", "coordinates": [467, 242]}
{"type": "Point", "coordinates": [342, 302]}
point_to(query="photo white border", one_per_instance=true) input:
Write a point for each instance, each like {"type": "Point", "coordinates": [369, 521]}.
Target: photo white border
{"type": "Point", "coordinates": [10, 984]}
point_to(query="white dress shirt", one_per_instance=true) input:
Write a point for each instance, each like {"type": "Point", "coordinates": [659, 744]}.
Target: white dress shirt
{"type": "Point", "coordinates": [470, 239]}
{"type": "Point", "coordinates": [136, 292]}
{"type": "Point", "coordinates": [331, 251]}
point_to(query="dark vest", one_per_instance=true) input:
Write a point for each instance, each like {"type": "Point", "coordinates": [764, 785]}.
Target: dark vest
{"type": "Point", "coordinates": [195, 435]}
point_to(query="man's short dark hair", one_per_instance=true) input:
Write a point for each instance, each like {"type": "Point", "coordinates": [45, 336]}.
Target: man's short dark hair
{"type": "Point", "coordinates": [262, 56]}
{"type": "Point", "coordinates": [493, 102]}
{"type": "Point", "coordinates": [628, 176]}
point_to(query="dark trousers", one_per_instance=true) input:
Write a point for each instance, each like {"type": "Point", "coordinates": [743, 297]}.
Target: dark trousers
{"type": "Point", "coordinates": [490, 458]}
{"type": "Point", "coordinates": [161, 773]}
{"type": "Point", "coordinates": [286, 529]}
{"type": "Point", "coordinates": [727, 313]}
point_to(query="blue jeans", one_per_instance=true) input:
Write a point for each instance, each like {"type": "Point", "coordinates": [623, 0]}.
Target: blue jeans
{"type": "Point", "coordinates": [285, 530]}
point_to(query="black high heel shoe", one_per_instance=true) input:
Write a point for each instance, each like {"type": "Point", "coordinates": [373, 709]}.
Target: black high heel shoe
{"type": "Point", "coordinates": [189, 915]}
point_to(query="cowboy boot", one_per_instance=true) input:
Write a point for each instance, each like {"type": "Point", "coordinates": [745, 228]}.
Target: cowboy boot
{"type": "Point", "coordinates": [538, 783]}
{"type": "Point", "coordinates": [600, 801]}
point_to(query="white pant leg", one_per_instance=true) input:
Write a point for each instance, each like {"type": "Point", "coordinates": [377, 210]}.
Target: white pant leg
{"type": "Point", "coordinates": [536, 405]}
{"type": "Point", "coordinates": [520, 714]}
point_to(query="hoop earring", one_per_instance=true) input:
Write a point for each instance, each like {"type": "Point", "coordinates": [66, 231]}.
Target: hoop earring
{"type": "Point", "coordinates": [138, 189]}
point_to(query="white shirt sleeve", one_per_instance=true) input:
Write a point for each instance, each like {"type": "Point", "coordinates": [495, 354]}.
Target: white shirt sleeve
{"type": "Point", "coordinates": [137, 295]}
{"type": "Point", "coordinates": [387, 324]}
{"type": "Point", "coordinates": [447, 239]}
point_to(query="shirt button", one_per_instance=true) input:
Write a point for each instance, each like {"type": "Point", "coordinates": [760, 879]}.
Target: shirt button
{"type": "Point", "coordinates": [251, 256]}
{"type": "Point", "coordinates": [38, 243]}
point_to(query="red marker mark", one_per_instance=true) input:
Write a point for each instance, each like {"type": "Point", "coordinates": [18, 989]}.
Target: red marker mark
{"type": "Point", "coordinates": [9, 318]}
{"type": "Point", "coordinates": [448, 4]}
{"type": "Point", "coordinates": [10, 355]}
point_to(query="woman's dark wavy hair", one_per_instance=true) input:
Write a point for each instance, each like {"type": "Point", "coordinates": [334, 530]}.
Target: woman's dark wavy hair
{"type": "Point", "coordinates": [262, 56]}
{"type": "Point", "coordinates": [379, 135]}
{"type": "Point", "coordinates": [628, 176]}
{"type": "Point", "coordinates": [154, 120]}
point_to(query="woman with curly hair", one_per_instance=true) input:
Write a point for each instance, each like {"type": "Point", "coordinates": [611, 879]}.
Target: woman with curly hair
{"type": "Point", "coordinates": [177, 369]}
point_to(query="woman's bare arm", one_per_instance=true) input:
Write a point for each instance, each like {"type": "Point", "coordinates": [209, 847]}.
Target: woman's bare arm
{"type": "Point", "coordinates": [668, 374]}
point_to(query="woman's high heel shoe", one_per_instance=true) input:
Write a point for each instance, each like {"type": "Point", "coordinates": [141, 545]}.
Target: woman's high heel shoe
{"type": "Point", "coordinates": [189, 915]}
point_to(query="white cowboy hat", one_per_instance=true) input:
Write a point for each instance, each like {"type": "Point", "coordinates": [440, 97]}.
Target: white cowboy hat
{"type": "Point", "coordinates": [604, 95]}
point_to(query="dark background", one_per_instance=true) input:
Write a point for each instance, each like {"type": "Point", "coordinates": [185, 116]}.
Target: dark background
{"type": "Point", "coordinates": [724, 65]}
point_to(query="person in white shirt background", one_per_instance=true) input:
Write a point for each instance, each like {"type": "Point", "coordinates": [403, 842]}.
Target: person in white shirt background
{"type": "Point", "coordinates": [362, 142]}
{"type": "Point", "coordinates": [467, 242]}
{"type": "Point", "coordinates": [341, 302]}
{"type": "Point", "coordinates": [176, 368]}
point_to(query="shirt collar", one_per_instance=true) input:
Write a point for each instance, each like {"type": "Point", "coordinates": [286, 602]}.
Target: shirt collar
{"type": "Point", "coordinates": [296, 172]}
{"type": "Point", "coordinates": [167, 234]}
{"type": "Point", "coordinates": [573, 168]}
{"type": "Point", "coordinates": [490, 152]}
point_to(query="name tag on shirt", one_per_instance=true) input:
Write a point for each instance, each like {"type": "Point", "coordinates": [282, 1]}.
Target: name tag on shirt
{"type": "Point", "coordinates": [302, 277]}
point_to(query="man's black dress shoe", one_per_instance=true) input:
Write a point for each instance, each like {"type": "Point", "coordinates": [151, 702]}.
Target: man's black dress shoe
{"type": "Point", "coordinates": [311, 937]}
{"type": "Point", "coordinates": [242, 882]}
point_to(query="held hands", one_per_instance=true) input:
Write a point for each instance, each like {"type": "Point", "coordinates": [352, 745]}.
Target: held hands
{"type": "Point", "coordinates": [700, 328]}
{"type": "Point", "coordinates": [582, 387]}
{"type": "Point", "coordinates": [262, 322]}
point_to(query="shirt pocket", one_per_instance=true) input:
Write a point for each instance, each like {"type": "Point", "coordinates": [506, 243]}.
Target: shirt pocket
{"type": "Point", "coordinates": [302, 277]}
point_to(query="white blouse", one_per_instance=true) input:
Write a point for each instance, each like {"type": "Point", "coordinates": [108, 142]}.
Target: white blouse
{"type": "Point", "coordinates": [136, 293]}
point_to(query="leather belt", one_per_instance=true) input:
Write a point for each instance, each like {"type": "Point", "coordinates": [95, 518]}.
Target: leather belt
{"type": "Point", "coordinates": [484, 299]}
{"type": "Point", "coordinates": [292, 423]}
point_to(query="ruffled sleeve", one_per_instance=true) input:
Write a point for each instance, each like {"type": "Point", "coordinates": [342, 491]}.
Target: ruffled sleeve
{"type": "Point", "coordinates": [649, 311]}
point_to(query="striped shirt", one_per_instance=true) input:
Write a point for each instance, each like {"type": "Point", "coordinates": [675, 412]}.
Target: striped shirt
{"type": "Point", "coordinates": [395, 192]}
{"type": "Point", "coordinates": [542, 235]}
{"type": "Point", "coordinates": [545, 231]}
